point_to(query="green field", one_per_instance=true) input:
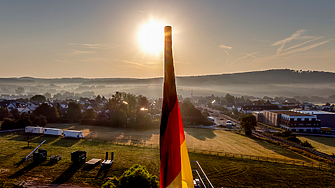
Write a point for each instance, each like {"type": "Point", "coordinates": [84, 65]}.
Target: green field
{"type": "Point", "coordinates": [222, 171]}
{"type": "Point", "coordinates": [198, 139]}
{"type": "Point", "coordinates": [324, 144]}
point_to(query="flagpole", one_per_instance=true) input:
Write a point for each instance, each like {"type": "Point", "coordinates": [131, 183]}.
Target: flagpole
{"type": "Point", "coordinates": [175, 169]}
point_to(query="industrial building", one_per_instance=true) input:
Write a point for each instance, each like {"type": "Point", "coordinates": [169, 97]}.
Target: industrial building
{"type": "Point", "coordinates": [327, 118]}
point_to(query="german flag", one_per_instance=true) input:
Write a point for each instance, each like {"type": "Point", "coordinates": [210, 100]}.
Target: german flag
{"type": "Point", "coordinates": [175, 168]}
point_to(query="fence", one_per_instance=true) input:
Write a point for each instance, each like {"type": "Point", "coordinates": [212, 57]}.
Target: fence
{"type": "Point", "coordinates": [137, 143]}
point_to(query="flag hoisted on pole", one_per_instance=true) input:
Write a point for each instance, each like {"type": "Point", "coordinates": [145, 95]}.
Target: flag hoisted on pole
{"type": "Point", "coordinates": [175, 168]}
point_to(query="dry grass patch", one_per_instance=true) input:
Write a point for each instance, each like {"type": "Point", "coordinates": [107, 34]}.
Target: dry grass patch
{"type": "Point", "coordinates": [323, 144]}
{"type": "Point", "coordinates": [197, 139]}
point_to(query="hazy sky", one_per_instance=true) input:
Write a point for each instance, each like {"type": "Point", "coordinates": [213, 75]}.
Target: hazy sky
{"type": "Point", "coordinates": [80, 38]}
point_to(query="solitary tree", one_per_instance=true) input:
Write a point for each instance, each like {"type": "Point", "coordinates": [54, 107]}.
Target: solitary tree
{"type": "Point", "coordinates": [248, 123]}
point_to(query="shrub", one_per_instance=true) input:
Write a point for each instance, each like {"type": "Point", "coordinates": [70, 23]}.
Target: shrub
{"type": "Point", "coordinates": [306, 144]}
{"type": "Point", "coordinates": [286, 133]}
{"type": "Point", "coordinates": [136, 176]}
{"type": "Point", "coordinates": [8, 124]}
{"type": "Point", "coordinates": [293, 139]}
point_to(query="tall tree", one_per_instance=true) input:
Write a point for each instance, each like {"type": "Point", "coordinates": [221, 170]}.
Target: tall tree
{"type": "Point", "coordinates": [74, 111]}
{"type": "Point", "coordinates": [142, 101]}
{"type": "Point", "coordinates": [89, 114]}
{"type": "Point", "coordinates": [98, 99]}
{"type": "Point", "coordinates": [230, 99]}
{"type": "Point", "coordinates": [248, 123]}
{"type": "Point", "coordinates": [51, 113]}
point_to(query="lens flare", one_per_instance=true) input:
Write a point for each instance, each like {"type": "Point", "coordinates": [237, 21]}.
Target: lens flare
{"type": "Point", "coordinates": [151, 37]}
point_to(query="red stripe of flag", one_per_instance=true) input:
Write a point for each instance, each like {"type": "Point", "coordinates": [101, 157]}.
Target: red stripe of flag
{"type": "Point", "coordinates": [171, 129]}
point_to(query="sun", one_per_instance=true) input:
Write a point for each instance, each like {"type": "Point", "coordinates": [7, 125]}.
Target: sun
{"type": "Point", "coordinates": [151, 37]}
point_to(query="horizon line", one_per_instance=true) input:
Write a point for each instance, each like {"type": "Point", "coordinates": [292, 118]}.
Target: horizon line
{"type": "Point", "coordinates": [180, 76]}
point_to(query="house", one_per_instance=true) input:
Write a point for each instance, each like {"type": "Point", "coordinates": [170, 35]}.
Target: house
{"type": "Point", "coordinates": [272, 117]}
{"type": "Point", "coordinates": [259, 116]}
{"type": "Point", "coordinates": [299, 122]}
{"type": "Point", "coordinates": [248, 109]}
{"type": "Point", "coordinates": [326, 118]}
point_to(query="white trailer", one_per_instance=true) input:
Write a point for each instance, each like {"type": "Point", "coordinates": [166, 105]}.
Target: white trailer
{"type": "Point", "coordinates": [31, 129]}
{"type": "Point", "coordinates": [73, 134]}
{"type": "Point", "coordinates": [52, 131]}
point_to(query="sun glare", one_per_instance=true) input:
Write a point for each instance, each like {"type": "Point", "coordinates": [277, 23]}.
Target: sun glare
{"type": "Point", "coordinates": [151, 37]}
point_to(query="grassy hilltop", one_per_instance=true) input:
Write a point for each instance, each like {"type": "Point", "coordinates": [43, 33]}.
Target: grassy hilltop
{"type": "Point", "coordinates": [222, 171]}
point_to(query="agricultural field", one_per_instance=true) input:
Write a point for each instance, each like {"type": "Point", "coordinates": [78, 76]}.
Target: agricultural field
{"type": "Point", "coordinates": [196, 139]}
{"type": "Point", "coordinates": [323, 144]}
{"type": "Point", "coordinates": [222, 171]}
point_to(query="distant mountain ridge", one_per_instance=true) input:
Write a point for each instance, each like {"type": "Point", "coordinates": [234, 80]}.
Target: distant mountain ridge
{"type": "Point", "coordinates": [272, 76]}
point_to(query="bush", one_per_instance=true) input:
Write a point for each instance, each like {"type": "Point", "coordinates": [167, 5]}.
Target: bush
{"type": "Point", "coordinates": [286, 133]}
{"type": "Point", "coordinates": [306, 144]}
{"type": "Point", "coordinates": [8, 124]}
{"type": "Point", "coordinates": [283, 134]}
{"type": "Point", "coordinates": [136, 176]}
{"type": "Point", "coordinates": [293, 139]}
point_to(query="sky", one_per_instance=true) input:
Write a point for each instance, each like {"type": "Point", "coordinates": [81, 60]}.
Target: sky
{"type": "Point", "coordinates": [100, 39]}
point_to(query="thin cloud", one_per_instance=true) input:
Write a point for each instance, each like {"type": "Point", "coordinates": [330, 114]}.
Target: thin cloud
{"type": "Point", "coordinates": [93, 46]}
{"type": "Point", "coordinates": [294, 51]}
{"type": "Point", "coordinates": [305, 48]}
{"type": "Point", "coordinates": [282, 43]}
{"type": "Point", "coordinates": [226, 62]}
{"type": "Point", "coordinates": [131, 62]}
{"type": "Point", "coordinates": [225, 47]}
{"type": "Point", "coordinates": [302, 43]}
{"type": "Point", "coordinates": [227, 52]}
{"type": "Point", "coordinates": [251, 55]}
{"type": "Point", "coordinates": [74, 52]}
{"type": "Point", "coordinates": [248, 55]}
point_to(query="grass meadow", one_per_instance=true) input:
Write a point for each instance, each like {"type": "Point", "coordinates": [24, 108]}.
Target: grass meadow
{"type": "Point", "coordinates": [222, 171]}
{"type": "Point", "coordinates": [198, 139]}
{"type": "Point", "coordinates": [324, 144]}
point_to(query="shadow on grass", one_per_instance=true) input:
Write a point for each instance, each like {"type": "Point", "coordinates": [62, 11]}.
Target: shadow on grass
{"type": "Point", "coordinates": [322, 140]}
{"type": "Point", "coordinates": [47, 138]}
{"type": "Point", "coordinates": [103, 171]}
{"type": "Point", "coordinates": [200, 134]}
{"type": "Point", "coordinates": [90, 167]}
{"type": "Point", "coordinates": [67, 174]}
{"type": "Point", "coordinates": [25, 169]}
{"type": "Point", "coordinates": [281, 150]}
{"type": "Point", "coordinates": [66, 142]}
{"type": "Point", "coordinates": [122, 135]}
